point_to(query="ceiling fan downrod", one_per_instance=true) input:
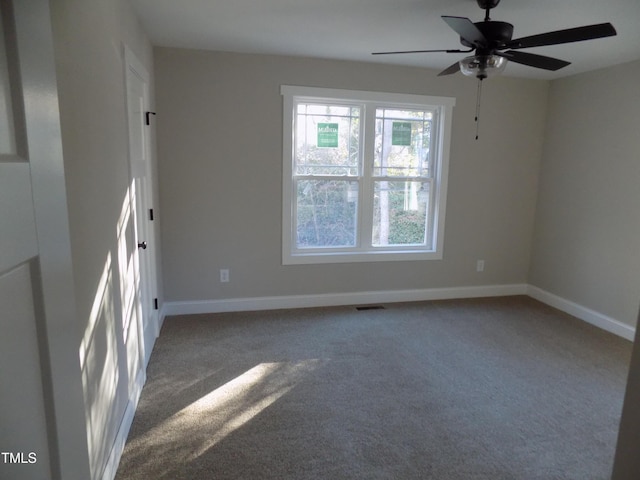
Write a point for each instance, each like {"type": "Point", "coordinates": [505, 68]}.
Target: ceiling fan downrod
{"type": "Point", "coordinates": [487, 5]}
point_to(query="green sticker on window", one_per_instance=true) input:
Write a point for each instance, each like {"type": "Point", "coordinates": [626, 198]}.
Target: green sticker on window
{"type": "Point", "coordinates": [401, 133]}
{"type": "Point", "coordinates": [327, 135]}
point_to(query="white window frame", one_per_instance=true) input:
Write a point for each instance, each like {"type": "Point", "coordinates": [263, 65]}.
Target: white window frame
{"type": "Point", "coordinates": [369, 102]}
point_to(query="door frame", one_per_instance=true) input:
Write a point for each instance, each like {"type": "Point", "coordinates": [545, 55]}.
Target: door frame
{"type": "Point", "coordinates": [54, 301]}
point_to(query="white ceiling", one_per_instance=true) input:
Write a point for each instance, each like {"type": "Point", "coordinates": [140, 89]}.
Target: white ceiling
{"type": "Point", "coordinates": [352, 29]}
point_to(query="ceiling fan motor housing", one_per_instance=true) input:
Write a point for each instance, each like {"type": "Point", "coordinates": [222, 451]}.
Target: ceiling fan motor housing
{"type": "Point", "coordinates": [497, 34]}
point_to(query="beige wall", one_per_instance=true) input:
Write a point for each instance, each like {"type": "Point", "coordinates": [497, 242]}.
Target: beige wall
{"type": "Point", "coordinates": [88, 37]}
{"type": "Point", "coordinates": [220, 161]}
{"type": "Point", "coordinates": [586, 243]}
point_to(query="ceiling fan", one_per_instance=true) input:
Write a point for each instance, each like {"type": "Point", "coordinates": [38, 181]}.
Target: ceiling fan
{"type": "Point", "coordinates": [493, 46]}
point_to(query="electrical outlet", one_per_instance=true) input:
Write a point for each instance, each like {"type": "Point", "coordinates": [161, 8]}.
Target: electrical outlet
{"type": "Point", "coordinates": [224, 275]}
{"type": "Point", "coordinates": [480, 266]}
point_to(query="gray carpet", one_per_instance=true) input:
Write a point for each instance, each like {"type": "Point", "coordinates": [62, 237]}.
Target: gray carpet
{"type": "Point", "coordinates": [480, 389]}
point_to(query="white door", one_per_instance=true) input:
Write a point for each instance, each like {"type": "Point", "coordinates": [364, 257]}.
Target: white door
{"type": "Point", "coordinates": [141, 200]}
{"type": "Point", "coordinates": [41, 419]}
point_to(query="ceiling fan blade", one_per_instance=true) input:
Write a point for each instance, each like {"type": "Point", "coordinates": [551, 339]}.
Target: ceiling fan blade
{"type": "Point", "coordinates": [532, 60]}
{"type": "Point", "coordinates": [423, 51]}
{"type": "Point", "coordinates": [467, 30]}
{"type": "Point", "coordinates": [569, 35]}
{"type": "Point", "coordinates": [455, 68]}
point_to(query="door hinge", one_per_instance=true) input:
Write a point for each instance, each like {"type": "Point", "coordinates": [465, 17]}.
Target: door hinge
{"type": "Point", "coordinates": [151, 214]}
{"type": "Point", "coordinates": [155, 304]}
{"type": "Point", "coordinates": [146, 116]}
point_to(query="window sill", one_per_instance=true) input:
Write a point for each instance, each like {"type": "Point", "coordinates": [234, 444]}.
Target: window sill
{"type": "Point", "coordinates": [310, 258]}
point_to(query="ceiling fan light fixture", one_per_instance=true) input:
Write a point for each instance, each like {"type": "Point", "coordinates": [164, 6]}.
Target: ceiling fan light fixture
{"type": "Point", "coordinates": [483, 66]}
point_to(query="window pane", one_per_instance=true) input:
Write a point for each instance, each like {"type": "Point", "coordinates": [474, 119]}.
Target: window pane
{"type": "Point", "coordinates": [400, 213]}
{"type": "Point", "coordinates": [402, 145]}
{"type": "Point", "coordinates": [327, 139]}
{"type": "Point", "coordinates": [326, 213]}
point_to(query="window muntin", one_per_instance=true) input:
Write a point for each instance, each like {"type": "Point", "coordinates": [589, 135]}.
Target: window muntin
{"type": "Point", "coordinates": [364, 175]}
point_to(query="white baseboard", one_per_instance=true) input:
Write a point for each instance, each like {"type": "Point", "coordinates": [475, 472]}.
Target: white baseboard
{"type": "Point", "coordinates": [583, 313]}
{"type": "Point", "coordinates": [117, 448]}
{"type": "Point", "coordinates": [337, 299]}
{"type": "Point", "coordinates": [362, 298]}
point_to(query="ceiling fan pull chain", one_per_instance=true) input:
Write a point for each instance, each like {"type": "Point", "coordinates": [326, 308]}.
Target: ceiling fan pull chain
{"type": "Point", "coordinates": [478, 97]}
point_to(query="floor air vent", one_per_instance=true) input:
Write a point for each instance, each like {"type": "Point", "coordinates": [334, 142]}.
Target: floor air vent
{"type": "Point", "coordinates": [371, 307]}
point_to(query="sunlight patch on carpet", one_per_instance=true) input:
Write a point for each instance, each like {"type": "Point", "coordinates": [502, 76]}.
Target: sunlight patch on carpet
{"type": "Point", "coordinates": [199, 426]}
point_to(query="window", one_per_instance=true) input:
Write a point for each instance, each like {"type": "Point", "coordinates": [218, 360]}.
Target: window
{"type": "Point", "coordinates": [365, 175]}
